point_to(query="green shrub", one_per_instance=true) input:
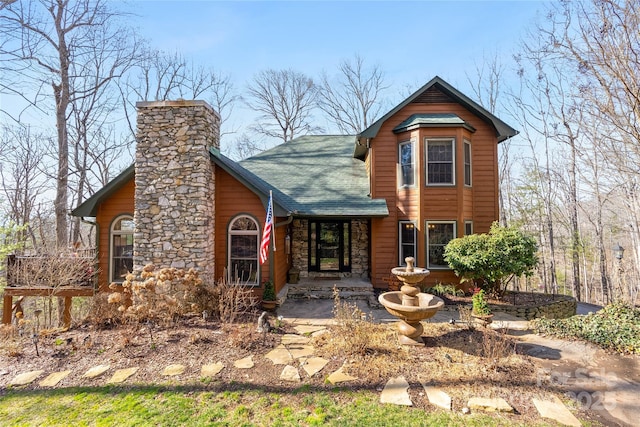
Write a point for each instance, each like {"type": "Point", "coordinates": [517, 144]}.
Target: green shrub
{"type": "Point", "coordinates": [615, 327]}
{"type": "Point", "coordinates": [493, 258]}
{"type": "Point", "coordinates": [480, 306]}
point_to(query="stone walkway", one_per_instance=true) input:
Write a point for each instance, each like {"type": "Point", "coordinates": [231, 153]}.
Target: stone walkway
{"type": "Point", "coordinates": [296, 356]}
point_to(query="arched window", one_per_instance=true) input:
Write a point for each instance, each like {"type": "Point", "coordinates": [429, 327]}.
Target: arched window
{"type": "Point", "coordinates": [243, 250]}
{"type": "Point", "coordinates": [121, 250]}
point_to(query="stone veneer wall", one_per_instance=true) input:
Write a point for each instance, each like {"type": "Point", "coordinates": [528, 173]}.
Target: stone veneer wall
{"type": "Point", "coordinates": [359, 248]}
{"type": "Point", "coordinates": [175, 188]}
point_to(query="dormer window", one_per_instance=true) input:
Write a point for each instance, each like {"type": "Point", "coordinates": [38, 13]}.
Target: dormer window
{"type": "Point", "coordinates": [441, 161]}
{"type": "Point", "coordinates": [406, 163]}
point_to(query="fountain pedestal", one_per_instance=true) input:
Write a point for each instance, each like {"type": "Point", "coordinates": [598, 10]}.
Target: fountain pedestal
{"type": "Point", "coordinates": [409, 304]}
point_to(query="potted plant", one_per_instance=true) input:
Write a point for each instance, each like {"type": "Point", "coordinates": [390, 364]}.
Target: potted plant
{"type": "Point", "coordinates": [481, 311]}
{"type": "Point", "coordinates": [269, 301]}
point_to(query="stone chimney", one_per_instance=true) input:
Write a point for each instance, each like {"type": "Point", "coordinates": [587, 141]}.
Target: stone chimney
{"type": "Point", "coordinates": [174, 185]}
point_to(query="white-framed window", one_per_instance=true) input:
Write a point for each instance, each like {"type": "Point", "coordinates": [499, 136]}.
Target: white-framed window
{"type": "Point", "coordinates": [467, 163]}
{"type": "Point", "coordinates": [441, 154]}
{"type": "Point", "coordinates": [439, 233]}
{"type": "Point", "coordinates": [468, 228]}
{"type": "Point", "coordinates": [407, 240]}
{"type": "Point", "coordinates": [243, 235]}
{"type": "Point", "coordinates": [406, 164]}
{"type": "Point", "coordinates": [120, 248]}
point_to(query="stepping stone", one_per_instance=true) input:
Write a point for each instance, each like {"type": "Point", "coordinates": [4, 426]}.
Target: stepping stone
{"type": "Point", "coordinates": [308, 329]}
{"type": "Point", "coordinates": [496, 404]}
{"type": "Point", "coordinates": [25, 378]}
{"type": "Point", "coordinates": [395, 392]}
{"type": "Point", "coordinates": [289, 373]}
{"type": "Point", "coordinates": [121, 375]}
{"type": "Point", "coordinates": [53, 379]}
{"type": "Point", "coordinates": [437, 397]}
{"type": "Point", "coordinates": [555, 410]}
{"type": "Point", "coordinates": [96, 371]}
{"type": "Point", "coordinates": [173, 370]}
{"type": "Point", "coordinates": [294, 339]}
{"type": "Point", "coordinates": [313, 365]}
{"type": "Point", "coordinates": [211, 370]}
{"type": "Point", "coordinates": [246, 363]}
{"type": "Point", "coordinates": [340, 377]}
{"type": "Point", "coordinates": [299, 351]}
{"type": "Point", "coordinates": [279, 355]}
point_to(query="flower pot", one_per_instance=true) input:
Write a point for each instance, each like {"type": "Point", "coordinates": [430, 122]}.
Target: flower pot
{"type": "Point", "coordinates": [269, 305]}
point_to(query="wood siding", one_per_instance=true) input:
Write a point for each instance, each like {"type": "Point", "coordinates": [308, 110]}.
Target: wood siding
{"type": "Point", "coordinates": [120, 203]}
{"type": "Point", "coordinates": [478, 203]}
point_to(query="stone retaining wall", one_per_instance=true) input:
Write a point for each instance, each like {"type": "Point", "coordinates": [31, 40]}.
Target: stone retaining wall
{"type": "Point", "coordinates": [564, 306]}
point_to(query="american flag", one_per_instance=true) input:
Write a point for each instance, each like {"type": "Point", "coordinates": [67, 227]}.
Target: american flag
{"type": "Point", "coordinates": [266, 234]}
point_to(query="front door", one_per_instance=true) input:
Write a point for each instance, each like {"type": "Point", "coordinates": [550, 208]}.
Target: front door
{"type": "Point", "coordinates": [329, 246]}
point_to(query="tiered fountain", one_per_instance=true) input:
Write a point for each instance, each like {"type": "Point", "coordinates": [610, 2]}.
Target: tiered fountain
{"type": "Point", "coordinates": [409, 304]}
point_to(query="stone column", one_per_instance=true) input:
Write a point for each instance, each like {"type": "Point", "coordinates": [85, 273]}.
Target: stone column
{"type": "Point", "coordinates": [175, 186]}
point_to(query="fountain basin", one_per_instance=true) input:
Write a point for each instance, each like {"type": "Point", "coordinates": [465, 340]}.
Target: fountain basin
{"type": "Point", "coordinates": [410, 274]}
{"type": "Point", "coordinates": [428, 306]}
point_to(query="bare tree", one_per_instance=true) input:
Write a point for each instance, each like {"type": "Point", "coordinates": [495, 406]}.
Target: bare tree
{"type": "Point", "coordinates": [21, 176]}
{"type": "Point", "coordinates": [51, 44]}
{"type": "Point", "coordinates": [285, 99]}
{"type": "Point", "coordinates": [163, 76]}
{"type": "Point", "coordinates": [351, 100]}
{"type": "Point", "coordinates": [246, 146]}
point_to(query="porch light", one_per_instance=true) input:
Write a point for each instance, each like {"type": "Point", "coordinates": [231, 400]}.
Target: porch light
{"type": "Point", "coordinates": [618, 251]}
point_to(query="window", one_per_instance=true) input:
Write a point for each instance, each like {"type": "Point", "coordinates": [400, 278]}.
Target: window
{"type": "Point", "coordinates": [440, 162]}
{"type": "Point", "coordinates": [468, 228]}
{"type": "Point", "coordinates": [243, 250]}
{"type": "Point", "coordinates": [407, 241]}
{"type": "Point", "coordinates": [467, 163]}
{"type": "Point", "coordinates": [407, 165]}
{"type": "Point", "coordinates": [121, 242]}
{"type": "Point", "coordinates": [439, 233]}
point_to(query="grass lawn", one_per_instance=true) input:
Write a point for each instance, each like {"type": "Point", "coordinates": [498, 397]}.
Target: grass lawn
{"type": "Point", "coordinates": [197, 406]}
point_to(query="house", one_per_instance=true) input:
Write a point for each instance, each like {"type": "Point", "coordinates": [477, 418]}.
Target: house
{"type": "Point", "coordinates": [344, 206]}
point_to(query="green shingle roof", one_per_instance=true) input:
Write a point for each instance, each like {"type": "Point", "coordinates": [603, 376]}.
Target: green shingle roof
{"type": "Point", "coordinates": [318, 176]}
{"type": "Point", "coordinates": [430, 120]}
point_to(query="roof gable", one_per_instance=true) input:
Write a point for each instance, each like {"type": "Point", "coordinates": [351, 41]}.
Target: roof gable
{"type": "Point", "coordinates": [435, 91]}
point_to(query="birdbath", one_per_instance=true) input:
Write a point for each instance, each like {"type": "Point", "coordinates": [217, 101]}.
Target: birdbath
{"type": "Point", "coordinates": [409, 304]}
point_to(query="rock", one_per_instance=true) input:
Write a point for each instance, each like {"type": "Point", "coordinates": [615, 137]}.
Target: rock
{"type": "Point", "coordinates": [313, 365]}
{"type": "Point", "coordinates": [173, 370]}
{"type": "Point", "coordinates": [246, 363]}
{"type": "Point", "coordinates": [53, 379]}
{"type": "Point", "coordinates": [496, 404]}
{"type": "Point", "coordinates": [555, 410]}
{"type": "Point", "coordinates": [279, 355]}
{"type": "Point", "coordinates": [121, 375]}
{"type": "Point", "coordinates": [96, 371]}
{"type": "Point", "coordinates": [211, 370]}
{"type": "Point", "coordinates": [437, 397]}
{"type": "Point", "coordinates": [395, 392]}
{"type": "Point", "coordinates": [339, 377]}
{"type": "Point", "coordinates": [290, 373]}
{"type": "Point", "coordinates": [26, 378]}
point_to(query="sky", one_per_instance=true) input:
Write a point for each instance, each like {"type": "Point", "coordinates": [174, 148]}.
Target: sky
{"type": "Point", "coordinates": [411, 41]}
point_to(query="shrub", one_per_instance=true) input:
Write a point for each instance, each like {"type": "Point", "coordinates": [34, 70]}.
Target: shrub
{"type": "Point", "coordinates": [615, 327]}
{"type": "Point", "coordinates": [480, 306]}
{"type": "Point", "coordinates": [493, 258]}
{"type": "Point", "coordinates": [269, 293]}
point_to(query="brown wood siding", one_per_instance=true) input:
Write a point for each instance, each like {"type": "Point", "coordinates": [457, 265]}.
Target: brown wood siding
{"type": "Point", "coordinates": [120, 203]}
{"type": "Point", "coordinates": [232, 199]}
{"type": "Point", "coordinates": [478, 203]}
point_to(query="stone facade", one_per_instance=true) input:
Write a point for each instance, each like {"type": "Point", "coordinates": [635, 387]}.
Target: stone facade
{"type": "Point", "coordinates": [175, 185]}
{"type": "Point", "coordinates": [359, 248]}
